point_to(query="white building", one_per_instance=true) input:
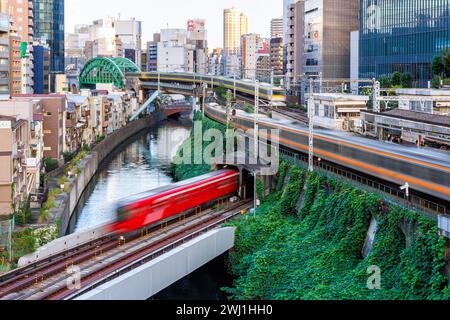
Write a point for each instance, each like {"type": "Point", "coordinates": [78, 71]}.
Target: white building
{"type": "Point", "coordinates": [173, 53]}
{"type": "Point", "coordinates": [27, 70]}
{"type": "Point", "coordinates": [231, 66]}
{"type": "Point", "coordinates": [249, 47]}
{"type": "Point", "coordinates": [130, 33]}
{"type": "Point", "coordinates": [102, 35]}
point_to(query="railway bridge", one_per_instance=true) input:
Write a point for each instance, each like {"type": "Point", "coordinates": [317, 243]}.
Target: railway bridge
{"type": "Point", "coordinates": [99, 264]}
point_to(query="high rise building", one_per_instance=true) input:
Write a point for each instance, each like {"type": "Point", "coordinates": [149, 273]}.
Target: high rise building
{"type": "Point", "coordinates": [294, 44]}
{"type": "Point", "coordinates": [403, 36]}
{"type": "Point", "coordinates": [27, 59]}
{"type": "Point", "coordinates": [130, 33]}
{"type": "Point", "coordinates": [276, 56]}
{"type": "Point", "coordinates": [102, 39]}
{"type": "Point", "coordinates": [197, 38]}
{"type": "Point", "coordinates": [152, 53]}
{"type": "Point", "coordinates": [328, 25]}
{"type": "Point", "coordinates": [173, 54]}
{"type": "Point", "coordinates": [49, 26]}
{"type": "Point", "coordinates": [4, 57]}
{"type": "Point", "coordinates": [21, 13]}
{"type": "Point", "coordinates": [249, 47]}
{"type": "Point", "coordinates": [15, 63]}
{"type": "Point", "coordinates": [41, 66]}
{"type": "Point", "coordinates": [235, 24]}
{"type": "Point", "coordinates": [276, 28]}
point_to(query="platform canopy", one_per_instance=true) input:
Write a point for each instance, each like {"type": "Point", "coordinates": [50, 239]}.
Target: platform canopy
{"type": "Point", "coordinates": [106, 70]}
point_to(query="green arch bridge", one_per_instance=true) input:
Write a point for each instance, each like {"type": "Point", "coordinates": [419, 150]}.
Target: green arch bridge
{"type": "Point", "coordinates": [106, 70]}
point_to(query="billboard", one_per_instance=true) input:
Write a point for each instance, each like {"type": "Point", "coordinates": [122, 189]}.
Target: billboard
{"type": "Point", "coordinates": [196, 25]}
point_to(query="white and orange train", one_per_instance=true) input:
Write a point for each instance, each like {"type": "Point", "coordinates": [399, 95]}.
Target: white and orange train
{"type": "Point", "coordinates": [426, 170]}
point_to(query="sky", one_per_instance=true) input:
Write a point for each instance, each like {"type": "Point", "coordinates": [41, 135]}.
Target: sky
{"type": "Point", "coordinates": [157, 14]}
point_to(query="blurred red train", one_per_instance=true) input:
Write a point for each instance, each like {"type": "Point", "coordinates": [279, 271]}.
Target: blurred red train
{"type": "Point", "coordinates": [150, 207]}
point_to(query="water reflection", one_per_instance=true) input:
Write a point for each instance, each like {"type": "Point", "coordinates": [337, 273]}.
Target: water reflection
{"type": "Point", "coordinates": [140, 166]}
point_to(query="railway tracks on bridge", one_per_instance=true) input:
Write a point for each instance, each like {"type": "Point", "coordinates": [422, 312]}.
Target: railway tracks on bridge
{"type": "Point", "coordinates": [108, 258]}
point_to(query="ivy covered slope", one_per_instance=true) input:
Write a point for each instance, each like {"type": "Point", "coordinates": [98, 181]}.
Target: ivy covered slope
{"type": "Point", "coordinates": [308, 245]}
{"type": "Point", "coordinates": [182, 171]}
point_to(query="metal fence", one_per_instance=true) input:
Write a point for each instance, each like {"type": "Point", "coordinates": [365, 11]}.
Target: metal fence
{"type": "Point", "coordinates": [391, 194]}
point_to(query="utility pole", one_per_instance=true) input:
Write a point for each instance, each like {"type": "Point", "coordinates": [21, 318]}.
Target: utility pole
{"type": "Point", "coordinates": [311, 111]}
{"type": "Point", "coordinates": [271, 83]}
{"type": "Point", "coordinates": [159, 81]}
{"type": "Point", "coordinates": [228, 106]}
{"type": "Point", "coordinates": [234, 85]}
{"type": "Point", "coordinates": [204, 85]}
{"type": "Point", "coordinates": [376, 88]}
{"type": "Point", "coordinates": [255, 134]}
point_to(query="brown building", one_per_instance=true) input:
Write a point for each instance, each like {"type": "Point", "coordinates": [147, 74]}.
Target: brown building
{"type": "Point", "coordinates": [14, 135]}
{"type": "Point", "coordinates": [15, 64]}
{"type": "Point", "coordinates": [329, 24]}
{"type": "Point", "coordinates": [21, 12]}
{"type": "Point", "coordinates": [54, 114]}
{"type": "Point", "coordinates": [276, 56]}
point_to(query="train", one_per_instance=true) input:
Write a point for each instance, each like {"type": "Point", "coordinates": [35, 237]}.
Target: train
{"type": "Point", "coordinates": [166, 203]}
{"type": "Point", "coordinates": [425, 170]}
{"type": "Point", "coordinates": [243, 87]}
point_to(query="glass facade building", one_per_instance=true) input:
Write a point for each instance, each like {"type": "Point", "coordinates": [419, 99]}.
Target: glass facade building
{"type": "Point", "coordinates": [49, 26]}
{"type": "Point", "coordinates": [403, 36]}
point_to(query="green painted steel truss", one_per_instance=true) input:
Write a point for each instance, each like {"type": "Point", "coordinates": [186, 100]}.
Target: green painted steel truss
{"type": "Point", "coordinates": [106, 70]}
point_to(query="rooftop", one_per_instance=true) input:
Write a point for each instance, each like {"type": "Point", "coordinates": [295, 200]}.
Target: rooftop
{"type": "Point", "coordinates": [423, 92]}
{"type": "Point", "coordinates": [416, 117]}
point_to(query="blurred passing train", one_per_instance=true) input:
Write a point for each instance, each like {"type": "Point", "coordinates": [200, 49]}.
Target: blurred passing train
{"type": "Point", "coordinates": [162, 204]}
{"type": "Point", "coordinates": [426, 171]}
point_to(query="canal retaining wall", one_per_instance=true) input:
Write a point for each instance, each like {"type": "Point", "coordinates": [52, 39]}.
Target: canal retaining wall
{"type": "Point", "coordinates": [66, 203]}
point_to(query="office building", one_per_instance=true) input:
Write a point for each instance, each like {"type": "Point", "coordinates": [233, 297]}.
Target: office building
{"type": "Point", "coordinates": [41, 68]}
{"type": "Point", "coordinates": [276, 28]}
{"type": "Point", "coordinates": [130, 34]}
{"type": "Point", "coordinates": [329, 24]}
{"type": "Point", "coordinates": [295, 44]}
{"type": "Point", "coordinates": [235, 24]}
{"type": "Point", "coordinates": [49, 27]}
{"type": "Point", "coordinates": [249, 47]}
{"type": "Point", "coordinates": [402, 36]}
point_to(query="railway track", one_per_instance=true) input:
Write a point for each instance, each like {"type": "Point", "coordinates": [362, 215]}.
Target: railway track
{"type": "Point", "coordinates": [110, 258]}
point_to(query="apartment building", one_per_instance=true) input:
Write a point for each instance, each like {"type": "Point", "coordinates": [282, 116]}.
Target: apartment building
{"type": "Point", "coordinates": [15, 63]}
{"type": "Point", "coordinates": [14, 137]}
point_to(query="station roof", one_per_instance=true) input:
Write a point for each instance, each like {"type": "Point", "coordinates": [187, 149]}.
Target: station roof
{"type": "Point", "coordinates": [420, 117]}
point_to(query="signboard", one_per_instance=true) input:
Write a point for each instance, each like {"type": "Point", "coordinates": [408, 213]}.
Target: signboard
{"type": "Point", "coordinates": [196, 25]}
{"type": "Point", "coordinates": [5, 124]}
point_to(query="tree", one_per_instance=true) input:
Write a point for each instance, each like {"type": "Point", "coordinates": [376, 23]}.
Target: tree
{"type": "Point", "coordinates": [385, 82]}
{"type": "Point", "coordinates": [396, 78]}
{"type": "Point", "coordinates": [436, 82]}
{"type": "Point", "coordinates": [406, 80]}
{"type": "Point", "coordinates": [438, 66]}
{"type": "Point", "coordinates": [446, 60]}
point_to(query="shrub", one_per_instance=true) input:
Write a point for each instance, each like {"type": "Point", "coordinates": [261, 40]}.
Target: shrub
{"type": "Point", "coordinates": [50, 164]}
{"type": "Point", "coordinates": [68, 156]}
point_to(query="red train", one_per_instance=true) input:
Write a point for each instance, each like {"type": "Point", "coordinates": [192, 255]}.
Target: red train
{"type": "Point", "coordinates": [148, 208]}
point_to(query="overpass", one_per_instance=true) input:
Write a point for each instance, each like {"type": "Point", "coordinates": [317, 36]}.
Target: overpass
{"type": "Point", "coordinates": [191, 83]}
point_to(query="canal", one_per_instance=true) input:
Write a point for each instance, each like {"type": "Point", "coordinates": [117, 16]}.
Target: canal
{"type": "Point", "coordinates": [142, 164]}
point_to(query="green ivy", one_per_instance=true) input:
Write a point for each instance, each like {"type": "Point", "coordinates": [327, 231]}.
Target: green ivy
{"type": "Point", "coordinates": [316, 252]}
